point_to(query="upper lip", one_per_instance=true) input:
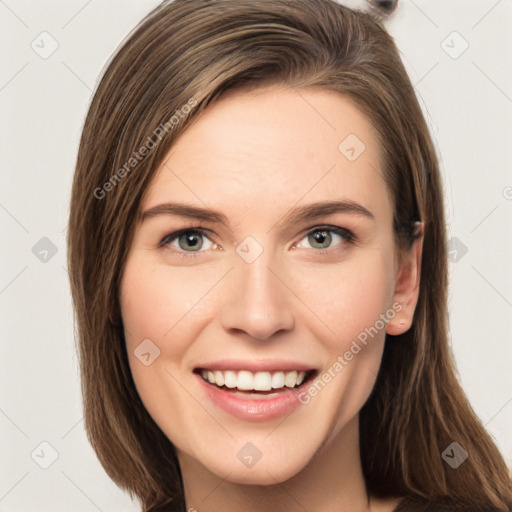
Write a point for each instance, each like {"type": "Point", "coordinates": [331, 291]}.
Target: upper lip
{"type": "Point", "coordinates": [273, 365]}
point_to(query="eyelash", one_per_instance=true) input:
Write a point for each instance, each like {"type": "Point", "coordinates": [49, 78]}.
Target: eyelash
{"type": "Point", "coordinates": [344, 233]}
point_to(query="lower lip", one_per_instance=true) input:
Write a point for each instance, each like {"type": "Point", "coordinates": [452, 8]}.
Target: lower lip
{"type": "Point", "coordinates": [266, 408]}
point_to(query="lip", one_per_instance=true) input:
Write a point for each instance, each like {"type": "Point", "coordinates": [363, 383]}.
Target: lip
{"type": "Point", "coordinates": [251, 406]}
{"type": "Point", "coordinates": [268, 365]}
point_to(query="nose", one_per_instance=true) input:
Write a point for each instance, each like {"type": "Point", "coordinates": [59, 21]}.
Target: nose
{"type": "Point", "coordinates": [258, 303]}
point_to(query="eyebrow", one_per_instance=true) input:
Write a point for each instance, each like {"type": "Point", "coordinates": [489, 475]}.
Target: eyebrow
{"type": "Point", "coordinates": [301, 214]}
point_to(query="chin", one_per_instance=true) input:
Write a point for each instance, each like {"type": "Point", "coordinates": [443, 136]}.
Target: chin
{"type": "Point", "coordinates": [258, 460]}
{"type": "Point", "coordinates": [264, 474]}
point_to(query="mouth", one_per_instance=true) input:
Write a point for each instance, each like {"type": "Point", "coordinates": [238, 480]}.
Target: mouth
{"type": "Point", "coordinates": [254, 390]}
{"type": "Point", "coordinates": [259, 383]}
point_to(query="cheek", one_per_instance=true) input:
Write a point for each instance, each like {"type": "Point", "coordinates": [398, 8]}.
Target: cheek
{"type": "Point", "coordinates": [158, 304]}
{"type": "Point", "coordinates": [352, 307]}
{"type": "Point", "coordinates": [170, 307]}
{"type": "Point", "coordinates": [350, 297]}
{"type": "Point", "coordinates": [164, 307]}
{"type": "Point", "coordinates": [158, 307]}
{"type": "Point", "coordinates": [359, 301]}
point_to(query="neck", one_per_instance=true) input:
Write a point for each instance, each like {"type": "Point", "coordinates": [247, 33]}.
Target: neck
{"type": "Point", "coordinates": [331, 480]}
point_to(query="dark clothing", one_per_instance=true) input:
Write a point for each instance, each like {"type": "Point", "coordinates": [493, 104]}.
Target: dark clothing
{"type": "Point", "coordinates": [409, 505]}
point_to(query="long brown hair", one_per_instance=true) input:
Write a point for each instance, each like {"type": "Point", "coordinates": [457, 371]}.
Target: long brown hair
{"type": "Point", "coordinates": [189, 52]}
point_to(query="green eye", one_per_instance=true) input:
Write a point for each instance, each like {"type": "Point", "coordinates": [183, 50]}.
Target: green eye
{"type": "Point", "coordinates": [190, 240]}
{"type": "Point", "coordinates": [325, 237]}
{"type": "Point", "coordinates": [320, 238]}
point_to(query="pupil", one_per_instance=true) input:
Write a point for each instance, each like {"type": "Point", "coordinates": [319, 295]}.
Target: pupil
{"type": "Point", "coordinates": [321, 237]}
{"type": "Point", "coordinates": [191, 241]}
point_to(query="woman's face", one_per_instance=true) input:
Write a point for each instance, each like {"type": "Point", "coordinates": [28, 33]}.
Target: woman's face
{"type": "Point", "coordinates": [285, 271]}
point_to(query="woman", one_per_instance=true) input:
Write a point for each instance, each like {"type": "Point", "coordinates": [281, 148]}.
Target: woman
{"type": "Point", "coordinates": [258, 265]}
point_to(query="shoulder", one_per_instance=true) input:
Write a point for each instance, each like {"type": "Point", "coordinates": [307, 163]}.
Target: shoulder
{"type": "Point", "coordinates": [416, 505]}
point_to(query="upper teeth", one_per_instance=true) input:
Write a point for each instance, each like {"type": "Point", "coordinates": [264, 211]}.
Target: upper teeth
{"type": "Point", "coordinates": [259, 381]}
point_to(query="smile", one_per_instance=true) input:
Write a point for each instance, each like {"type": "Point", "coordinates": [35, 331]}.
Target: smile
{"type": "Point", "coordinates": [265, 392]}
{"type": "Point", "coordinates": [245, 380]}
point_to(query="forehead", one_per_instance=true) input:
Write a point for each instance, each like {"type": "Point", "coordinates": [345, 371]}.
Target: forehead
{"type": "Point", "coordinates": [268, 147]}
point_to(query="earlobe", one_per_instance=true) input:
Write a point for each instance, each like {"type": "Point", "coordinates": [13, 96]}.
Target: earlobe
{"type": "Point", "coordinates": [407, 286]}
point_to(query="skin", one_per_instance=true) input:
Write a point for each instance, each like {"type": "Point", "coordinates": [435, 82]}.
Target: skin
{"type": "Point", "coordinates": [255, 156]}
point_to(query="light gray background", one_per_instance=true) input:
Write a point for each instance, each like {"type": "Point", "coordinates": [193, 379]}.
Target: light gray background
{"type": "Point", "coordinates": [468, 102]}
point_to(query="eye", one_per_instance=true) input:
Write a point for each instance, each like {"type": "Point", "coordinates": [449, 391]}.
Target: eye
{"type": "Point", "coordinates": [191, 242]}
{"type": "Point", "coordinates": [326, 237]}
{"type": "Point", "coordinates": [188, 241]}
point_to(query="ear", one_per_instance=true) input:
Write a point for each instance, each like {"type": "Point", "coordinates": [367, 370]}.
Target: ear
{"type": "Point", "coordinates": [407, 286]}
